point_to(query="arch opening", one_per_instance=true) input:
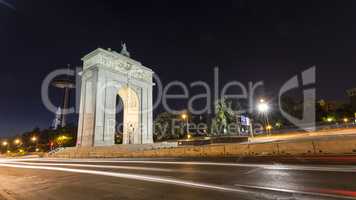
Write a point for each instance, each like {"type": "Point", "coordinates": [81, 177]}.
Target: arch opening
{"type": "Point", "coordinates": [119, 120]}
{"type": "Point", "coordinates": [127, 116]}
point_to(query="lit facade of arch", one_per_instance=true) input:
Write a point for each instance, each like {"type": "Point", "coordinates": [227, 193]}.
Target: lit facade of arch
{"type": "Point", "coordinates": [105, 75]}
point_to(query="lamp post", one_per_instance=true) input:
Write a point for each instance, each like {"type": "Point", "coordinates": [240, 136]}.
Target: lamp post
{"type": "Point", "coordinates": [263, 108]}
{"type": "Point", "coordinates": [185, 117]}
{"type": "Point", "coordinates": [34, 140]}
{"type": "Point", "coordinates": [5, 144]}
{"type": "Point", "coordinates": [17, 141]}
{"type": "Point", "coordinates": [269, 128]}
{"type": "Point", "coordinates": [346, 120]}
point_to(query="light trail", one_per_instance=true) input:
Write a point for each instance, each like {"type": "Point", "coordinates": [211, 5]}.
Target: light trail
{"type": "Point", "coordinates": [246, 189]}
{"type": "Point", "coordinates": [131, 176]}
{"type": "Point", "coordinates": [294, 191]}
{"type": "Point", "coordinates": [262, 166]}
{"type": "Point", "coordinates": [96, 166]}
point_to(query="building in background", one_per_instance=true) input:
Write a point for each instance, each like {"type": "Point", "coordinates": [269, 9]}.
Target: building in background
{"type": "Point", "coordinates": [351, 93]}
{"type": "Point", "coordinates": [65, 84]}
{"type": "Point", "coordinates": [330, 106]}
{"type": "Point", "coordinates": [57, 119]}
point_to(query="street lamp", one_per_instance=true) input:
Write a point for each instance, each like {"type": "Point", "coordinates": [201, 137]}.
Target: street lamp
{"type": "Point", "coordinates": [189, 136]}
{"type": "Point", "coordinates": [185, 117]}
{"type": "Point", "coordinates": [346, 120]}
{"type": "Point", "coordinates": [34, 139]}
{"type": "Point", "coordinates": [17, 141]}
{"type": "Point", "coordinates": [5, 144]}
{"type": "Point", "coordinates": [263, 108]}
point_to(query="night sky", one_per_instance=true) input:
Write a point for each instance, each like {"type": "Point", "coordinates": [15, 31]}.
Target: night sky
{"type": "Point", "coordinates": [268, 41]}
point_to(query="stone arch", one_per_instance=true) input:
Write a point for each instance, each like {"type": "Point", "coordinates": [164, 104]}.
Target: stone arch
{"type": "Point", "coordinates": [107, 74]}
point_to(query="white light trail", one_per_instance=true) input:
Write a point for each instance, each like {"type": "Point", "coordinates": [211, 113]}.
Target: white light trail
{"type": "Point", "coordinates": [95, 166]}
{"type": "Point", "coordinates": [242, 189]}
{"type": "Point", "coordinates": [131, 176]}
{"type": "Point", "coordinates": [293, 191]}
{"type": "Point", "coordinates": [262, 166]}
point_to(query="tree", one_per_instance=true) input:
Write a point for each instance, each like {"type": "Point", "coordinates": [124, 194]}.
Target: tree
{"type": "Point", "coordinates": [224, 115]}
{"type": "Point", "coordinates": [166, 127]}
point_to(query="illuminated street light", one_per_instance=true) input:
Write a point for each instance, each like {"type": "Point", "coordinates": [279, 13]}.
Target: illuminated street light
{"type": "Point", "coordinates": [189, 136]}
{"type": "Point", "coordinates": [4, 143]}
{"type": "Point", "coordinates": [185, 117]}
{"type": "Point", "coordinates": [34, 139]}
{"type": "Point", "coordinates": [17, 141]}
{"type": "Point", "coordinates": [268, 127]}
{"type": "Point", "coordinates": [37, 149]}
{"type": "Point", "coordinates": [263, 108]}
{"type": "Point", "coordinates": [8, 151]}
{"type": "Point", "coordinates": [346, 120]}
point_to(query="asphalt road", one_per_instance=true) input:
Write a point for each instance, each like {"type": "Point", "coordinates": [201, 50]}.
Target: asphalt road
{"type": "Point", "coordinates": [347, 133]}
{"type": "Point", "coordinates": [37, 179]}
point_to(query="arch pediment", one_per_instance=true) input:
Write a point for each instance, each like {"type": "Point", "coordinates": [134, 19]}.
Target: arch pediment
{"type": "Point", "coordinates": [116, 62]}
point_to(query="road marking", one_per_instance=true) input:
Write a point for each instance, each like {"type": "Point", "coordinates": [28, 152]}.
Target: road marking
{"type": "Point", "coordinates": [95, 166]}
{"type": "Point", "coordinates": [294, 191]}
{"type": "Point", "coordinates": [132, 176]}
{"type": "Point", "coordinates": [262, 166]}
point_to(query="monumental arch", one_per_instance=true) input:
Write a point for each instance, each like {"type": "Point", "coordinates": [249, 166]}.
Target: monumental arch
{"type": "Point", "coordinates": [108, 75]}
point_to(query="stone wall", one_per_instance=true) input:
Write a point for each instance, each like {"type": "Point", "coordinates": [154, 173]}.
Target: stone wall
{"type": "Point", "coordinates": [343, 146]}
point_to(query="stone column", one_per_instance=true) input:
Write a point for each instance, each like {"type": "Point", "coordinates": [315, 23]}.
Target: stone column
{"type": "Point", "coordinates": [87, 108]}
{"type": "Point", "coordinates": [149, 138]}
{"type": "Point", "coordinates": [146, 116]}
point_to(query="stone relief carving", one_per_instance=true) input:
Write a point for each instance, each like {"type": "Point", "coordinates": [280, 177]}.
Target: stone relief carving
{"type": "Point", "coordinates": [122, 66]}
{"type": "Point", "coordinates": [87, 74]}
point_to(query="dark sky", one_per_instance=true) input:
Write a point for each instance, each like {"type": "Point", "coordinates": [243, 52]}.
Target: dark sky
{"type": "Point", "coordinates": [180, 40]}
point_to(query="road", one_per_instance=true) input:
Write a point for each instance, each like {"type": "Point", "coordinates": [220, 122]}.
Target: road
{"type": "Point", "coordinates": [34, 179]}
{"type": "Point", "coordinates": [349, 133]}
